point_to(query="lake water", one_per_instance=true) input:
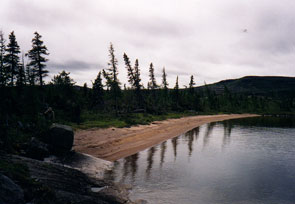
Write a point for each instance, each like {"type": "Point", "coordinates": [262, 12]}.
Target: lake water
{"type": "Point", "coordinates": [237, 161]}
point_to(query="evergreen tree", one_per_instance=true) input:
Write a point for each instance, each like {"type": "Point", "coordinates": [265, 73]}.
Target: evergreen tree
{"type": "Point", "coordinates": [37, 58]}
{"type": "Point", "coordinates": [98, 91]}
{"type": "Point", "coordinates": [111, 76]}
{"type": "Point", "coordinates": [134, 77]}
{"type": "Point", "coordinates": [63, 79]}
{"type": "Point", "coordinates": [11, 58]}
{"type": "Point", "coordinates": [164, 80]}
{"type": "Point", "coordinates": [20, 75]}
{"type": "Point", "coordinates": [176, 94]}
{"type": "Point", "coordinates": [2, 54]}
{"type": "Point", "coordinates": [191, 84]}
{"type": "Point", "coordinates": [152, 83]}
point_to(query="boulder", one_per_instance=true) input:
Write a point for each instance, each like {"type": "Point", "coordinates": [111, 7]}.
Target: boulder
{"type": "Point", "coordinates": [60, 139]}
{"type": "Point", "coordinates": [36, 149]}
{"type": "Point", "coordinates": [10, 192]}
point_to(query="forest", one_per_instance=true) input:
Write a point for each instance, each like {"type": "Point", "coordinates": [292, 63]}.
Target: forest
{"type": "Point", "coordinates": [28, 105]}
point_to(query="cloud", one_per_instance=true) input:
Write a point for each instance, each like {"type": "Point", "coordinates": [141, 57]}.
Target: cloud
{"type": "Point", "coordinates": [200, 38]}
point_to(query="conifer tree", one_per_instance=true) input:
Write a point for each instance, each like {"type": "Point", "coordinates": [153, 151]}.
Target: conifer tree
{"type": "Point", "coordinates": [37, 58]}
{"type": "Point", "coordinates": [134, 77]}
{"type": "Point", "coordinates": [111, 76]}
{"type": "Point", "coordinates": [176, 93]}
{"type": "Point", "coordinates": [164, 79]}
{"type": "Point", "coordinates": [2, 54]}
{"type": "Point", "coordinates": [152, 83]}
{"type": "Point", "coordinates": [20, 75]}
{"type": "Point", "coordinates": [63, 79]}
{"type": "Point", "coordinates": [98, 91]}
{"type": "Point", "coordinates": [191, 84]}
{"type": "Point", "coordinates": [11, 58]}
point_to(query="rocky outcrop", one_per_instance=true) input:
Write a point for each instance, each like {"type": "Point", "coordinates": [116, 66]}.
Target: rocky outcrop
{"type": "Point", "coordinates": [36, 149]}
{"type": "Point", "coordinates": [10, 192]}
{"type": "Point", "coordinates": [60, 139]}
{"type": "Point", "coordinates": [67, 185]}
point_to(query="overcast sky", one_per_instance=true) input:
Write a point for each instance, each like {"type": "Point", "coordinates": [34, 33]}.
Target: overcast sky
{"type": "Point", "coordinates": [210, 39]}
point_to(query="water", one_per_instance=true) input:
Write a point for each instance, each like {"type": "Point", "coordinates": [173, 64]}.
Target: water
{"type": "Point", "coordinates": [237, 161]}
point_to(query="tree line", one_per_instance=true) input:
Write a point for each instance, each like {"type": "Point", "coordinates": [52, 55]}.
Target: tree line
{"type": "Point", "coordinates": [25, 97]}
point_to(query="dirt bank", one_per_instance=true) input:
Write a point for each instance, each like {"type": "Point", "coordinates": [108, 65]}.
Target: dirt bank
{"type": "Point", "coordinates": [115, 143]}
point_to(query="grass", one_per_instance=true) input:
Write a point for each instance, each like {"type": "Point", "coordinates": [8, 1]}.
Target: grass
{"type": "Point", "coordinates": [94, 120]}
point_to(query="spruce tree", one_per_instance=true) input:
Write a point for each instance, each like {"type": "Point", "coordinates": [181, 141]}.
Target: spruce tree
{"type": "Point", "coordinates": [111, 76]}
{"type": "Point", "coordinates": [152, 83]}
{"type": "Point", "coordinates": [164, 80]}
{"type": "Point", "coordinates": [2, 54]}
{"type": "Point", "coordinates": [176, 93]}
{"type": "Point", "coordinates": [191, 84]}
{"type": "Point", "coordinates": [20, 75]}
{"type": "Point", "coordinates": [11, 58]}
{"type": "Point", "coordinates": [97, 88]}
{"type": "Point", "coordinates": [37, 58]}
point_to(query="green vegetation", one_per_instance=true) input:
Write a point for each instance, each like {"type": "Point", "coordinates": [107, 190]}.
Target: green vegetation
{"type": "Point", "coordinates": [28, 106]}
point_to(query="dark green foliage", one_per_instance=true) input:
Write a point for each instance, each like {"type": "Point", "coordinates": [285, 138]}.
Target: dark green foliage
{"type": "Point", "coordinates": [3, 73]}
{"type": "Point", "coordinates": [37, 58]}
{"type": "Point", "coordinates": [192, 84]}
{"type": "Point", "coordinates": [63, 79]}
{"type": "Point", "coordinates": [20, 77]}
{"type": "Point", "coordinates": [113, 84]}
{"type": "Point", "coordinates": [152, 82]}
{"type": "Point", "coordinates": [22, 110]}
{"type": "Point", "coordinates": [11, 58]}
{"type": "Point", "coordinates": [134, 79]}
{"type": "Point", "coordinates": [98, 93]}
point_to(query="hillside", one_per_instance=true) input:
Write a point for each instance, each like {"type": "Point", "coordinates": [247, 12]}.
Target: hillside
{"type": "Point", "coordinates": [259, 85]}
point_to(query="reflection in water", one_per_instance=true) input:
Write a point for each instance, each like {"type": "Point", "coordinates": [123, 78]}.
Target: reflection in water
{"type": "Point", "coordinates": [150, 161]}
{"type": "Point", "coordinates": [174, 144]}
{"type": "Point", "coordinates": [130, 166]}
{"type": "Point", "coordinates": [163, 150]}
{"type": "Point", "coordinates": [208, 133]}
{"type": "Point", "coordinates": [227, 128]}
{"type": "Point", "coordinates": [133, 164]}
{"type": "Point", "coordinates": [190, 135]}
{"type": "Point", "coordinates": [258, 166]}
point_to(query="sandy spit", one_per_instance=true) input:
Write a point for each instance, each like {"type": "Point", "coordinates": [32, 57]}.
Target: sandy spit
{"type": "Point", "coordinates": [114, 143]}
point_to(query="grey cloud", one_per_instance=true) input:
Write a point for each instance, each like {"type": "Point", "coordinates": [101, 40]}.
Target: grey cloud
{"type": "Point", "coordinates": [72, 66]}
{"type": "Point", "coordinates": [203, 38]}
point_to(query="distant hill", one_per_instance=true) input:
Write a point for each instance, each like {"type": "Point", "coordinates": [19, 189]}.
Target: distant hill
{"type": "Point", "coordinates": [258, 85]}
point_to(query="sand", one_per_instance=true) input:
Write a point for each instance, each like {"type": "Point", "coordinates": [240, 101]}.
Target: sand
{"type": "Point", "coordinates": [114, 143]}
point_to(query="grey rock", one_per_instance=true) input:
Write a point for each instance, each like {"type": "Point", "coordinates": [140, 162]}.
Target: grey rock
{"type": "Point", "coordinates": [60, 139]}
{"type": "Point", "coordinates": [37, 149]}
{"type": "Point", "coordinates": [10, 192]}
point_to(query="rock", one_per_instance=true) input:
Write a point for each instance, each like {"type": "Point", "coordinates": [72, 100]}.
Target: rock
{"type": "Point", "coordinates": [60, 139]}
{"type": "Point", "coordinates": [36, 149]}
{"type": "Point", "coordinates": [10, 192]}
{"type": "Point", "coordinates": [140, 201]}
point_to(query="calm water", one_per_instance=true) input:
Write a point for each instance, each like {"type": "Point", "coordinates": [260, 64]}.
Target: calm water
{"type": "Point", "coordinates": [236, 161]}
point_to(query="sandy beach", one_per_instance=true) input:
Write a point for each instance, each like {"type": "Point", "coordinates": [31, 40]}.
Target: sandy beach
{"type": "Point", "coordinates": [115, 143]}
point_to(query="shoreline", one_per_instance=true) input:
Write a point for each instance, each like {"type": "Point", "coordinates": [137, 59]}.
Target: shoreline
{"type": "Point", "coordinates": [114, 143]}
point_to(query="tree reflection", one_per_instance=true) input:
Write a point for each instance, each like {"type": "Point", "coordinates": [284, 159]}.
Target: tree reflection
{"type": "Point", "coordinates": [174, 145]}
{"type": "Point", "coordinates": [227, 128]}
{"type": "Point", "coordinates": [163, 151]}
{"type": "Point", "coordinates": [208, 133]}
{"type": "Point", "coordinates": [150, 161]}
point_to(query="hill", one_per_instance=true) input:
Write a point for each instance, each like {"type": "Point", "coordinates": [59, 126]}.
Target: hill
{"type": "Point", "coordinates": [258, 85]}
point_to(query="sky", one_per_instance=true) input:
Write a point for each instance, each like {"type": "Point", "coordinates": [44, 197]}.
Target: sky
{"type": "Point", "coordinates": [212, 40]}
